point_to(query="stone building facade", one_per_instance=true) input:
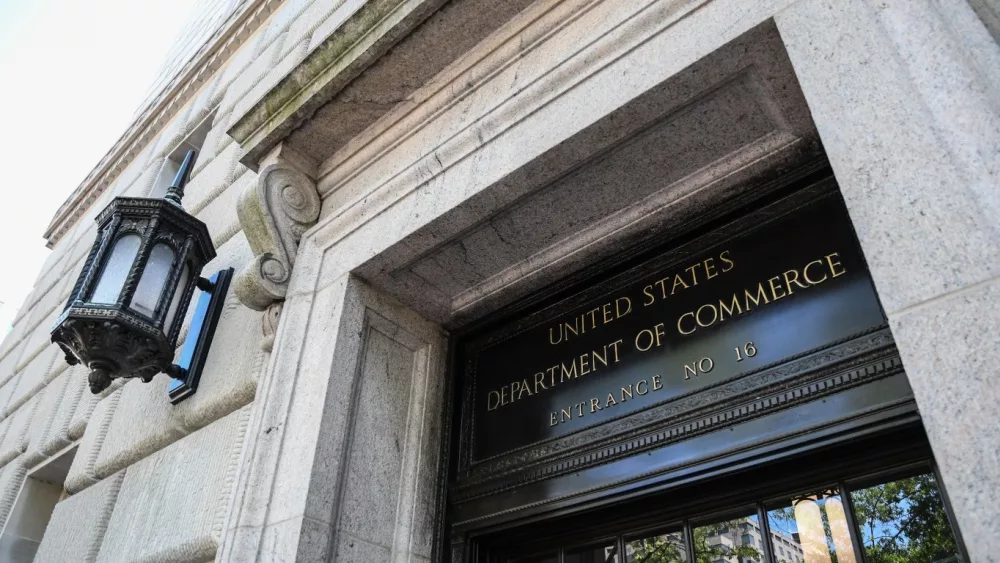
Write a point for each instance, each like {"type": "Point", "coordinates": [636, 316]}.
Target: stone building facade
{"type": "Point", "coordinates": [384, 175]}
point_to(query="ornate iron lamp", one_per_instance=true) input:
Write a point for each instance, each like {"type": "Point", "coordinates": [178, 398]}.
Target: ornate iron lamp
{"type": "Point", "coordinates": [127, 307]}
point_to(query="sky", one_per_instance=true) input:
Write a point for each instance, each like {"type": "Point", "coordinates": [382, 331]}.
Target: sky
{"type": "Point", "coordinates": [72, 75]}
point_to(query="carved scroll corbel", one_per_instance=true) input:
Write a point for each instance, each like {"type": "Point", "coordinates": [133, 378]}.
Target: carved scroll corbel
{"type": "Point", "coordinates": [274, 213]}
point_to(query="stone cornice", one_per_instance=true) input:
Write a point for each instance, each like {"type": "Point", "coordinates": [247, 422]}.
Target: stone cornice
{"type": "Point", "coordinates": [364, 36]}
{"type": "Point", "coordinates": [160, 110]}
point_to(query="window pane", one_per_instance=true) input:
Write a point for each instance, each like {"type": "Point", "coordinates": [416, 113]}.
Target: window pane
{"type": "Point", "coordinates": [116, 269]}
{"type": "Point", "coordinates": [664, 548]}
{"type": "Point", "coordinates": [734, 540]}
{"type": "Point", "coordinates": [812, 529]}
{"type": "Point", "coordinates": [606, 552]}
{"type": "Point", "coordinates": [904, 520]}
{"type": "Point", "coordinates": [147, 293]}
{"type": "Point", "coordinates": [176, 301]}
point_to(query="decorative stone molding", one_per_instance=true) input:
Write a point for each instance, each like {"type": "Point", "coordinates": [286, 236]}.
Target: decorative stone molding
{"type": "Point", "coordinates": [269, 325]}
{"type": "Point", "coordinates": [274, 213]}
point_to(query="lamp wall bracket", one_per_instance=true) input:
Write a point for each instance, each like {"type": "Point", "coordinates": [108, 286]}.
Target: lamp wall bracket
{"type": "Point", "coordinates": [186, 373]}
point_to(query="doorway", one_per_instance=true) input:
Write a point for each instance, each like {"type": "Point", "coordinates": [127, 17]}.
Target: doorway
{"type": "Point", "coordinates": [868, 502]}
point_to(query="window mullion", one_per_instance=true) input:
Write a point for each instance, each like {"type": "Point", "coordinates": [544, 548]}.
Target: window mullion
{"type": "Point", "coordinates": [852, 526]}
{"type": "Point", "coordinates": [765, 532]}
{"type": "Point", "coordinates": [689, 541]}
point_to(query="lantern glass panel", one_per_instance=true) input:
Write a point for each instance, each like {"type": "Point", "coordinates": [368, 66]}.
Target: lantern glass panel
{"type": "Point", "coordinates": [154, 277]}
{"type": "Point", "coordinates": [116, 269]}
{"type": "Point", "coordinates": [176, 301]}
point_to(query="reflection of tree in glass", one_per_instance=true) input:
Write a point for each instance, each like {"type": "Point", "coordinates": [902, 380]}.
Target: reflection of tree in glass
{"type": "Point", "coordinates": [904, 522]}
{"type": "Point", "coordinates": [657, 549]}
{"type": "Point", "coordinates": [670, 549]}
{"type": "Point", "coordinates": [708, 548]}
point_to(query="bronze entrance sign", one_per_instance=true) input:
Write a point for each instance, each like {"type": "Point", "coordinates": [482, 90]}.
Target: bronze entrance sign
{"type": "Point", "coordinates": [727, 305]}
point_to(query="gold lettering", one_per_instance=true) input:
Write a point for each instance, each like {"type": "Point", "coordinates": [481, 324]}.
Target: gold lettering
{"type": "Point", "coordinates": [552, 340]}
{"type": "Point", "coordinates": [761, 294]}
{"type": "Point", "coordinates": [681, 330]}
{"type": "Point", "coordinates": [606, 312]}
{"type": "Point", "coordinates": [524, 388]}
{"type": "Point", "coordinates": [774, 289]}
{"type": "Point", "coordinates": [701, 365]}
{"type": "Point", "coordinates": [490, 405]}
{"type": "Point", "coordinates": [658, 330]}
{"type": "Point", "coordinates": [651, 339]}
{"type": "Point", "coordinates": [567, 373]}
{"type": "Point", "coordinates": [552, 420]}
{"type": "Point", "coordinates": [646, 292]}
{"type": "Point", "coordinates": [598, 358]}
{"type": "Point", "coordinates": [615, 346]}
{"type": "Point", "coordinates": [575, 328]}
{"type": "Point", "coordinates": [514, 386]}
{"type": "Point", "coordinates": [565, 414]}
{"type": "Point", "coordinates": [662, 282]}
{"type": "Point", "coordinates": [715, 315]}
{"type": "Point", "coordinates": [539, 377]}
{"type": "Point", "coordinates": [793, 279]}
{"type": "Point", "coordinates": [690, 370]}
{"type": "Point", "coordinates": [694, 275]}
{"type": "Point", "coordinates": [503, 396]}
{"type": "Point", "coordinates": [657, 384]}
{"type": "Point", "coordinates": [595, 405]}
{"type": "Point", "coordinates": [579, 409]}
{"type": "Point", "coordinates": [729, 263]}
{"type": "Point", "coordinates": [678, 280]}
{"type": "Point", "coordinates": [710, 268]}
{"type": "Point", "coordinates": [618, 309]}
{"type": "Point", "coordinates": [638, 387]}
{"type": "Point", "coordinates": [805, 273]}
{"type": "Point", "coordinates": [584, 364]}
{"type": "Point", "coordinates": [728, 309]}
{"type": "Point", "coordinates": [627, 391]}
{"type": "Point", "coordinates": [610, 401]}
{"type": "Point", "coordinates": [593, 318]}
{"type": "Point", "coordinates": [834, 265]}
{"type": "Point", "coordinates": [552, 375]}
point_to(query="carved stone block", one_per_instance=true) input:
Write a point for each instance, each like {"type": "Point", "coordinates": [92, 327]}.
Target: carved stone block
{"type": "Point", "coordinates": [274, 213]}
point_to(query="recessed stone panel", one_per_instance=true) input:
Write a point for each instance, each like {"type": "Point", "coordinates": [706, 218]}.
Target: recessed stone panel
{"type": "Point", "coordinates": [143, 423]}
{"type": "Point", "coordinates": [46, 409]}
{"type": "Point", "coordinates": [39, 339]}
{"type": "Point", "coordinates": [172, 504]}
{"type": "Point", "coordinates": [85, 406]}
{"type": "Point", "coordinates": [13, 440]}
{"type": "Point", "coordinates": [58, 435]}
{"type": "Point", "coordinates": [33, 377]}
{"type": "Point", "coordinates": [81, 473]}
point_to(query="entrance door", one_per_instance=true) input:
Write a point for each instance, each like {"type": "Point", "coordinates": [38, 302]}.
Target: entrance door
{"type": "Point", "coordinates": [896, 514]}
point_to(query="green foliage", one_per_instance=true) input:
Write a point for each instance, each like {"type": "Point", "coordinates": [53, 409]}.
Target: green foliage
{"type": "Point", "coordinates": [669, 549]}
{"type": "Point", "coordinates": [657, 549]}
{"type": "Point", "coordinates": [904, 522]}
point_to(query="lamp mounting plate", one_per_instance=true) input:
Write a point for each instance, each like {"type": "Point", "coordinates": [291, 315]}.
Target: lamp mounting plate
{"type": "Point", "coordinates": [187, 371]}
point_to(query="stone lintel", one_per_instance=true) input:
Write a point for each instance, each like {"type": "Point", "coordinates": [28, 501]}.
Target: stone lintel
{"type": "Point", "coordinates": [362, 39]}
